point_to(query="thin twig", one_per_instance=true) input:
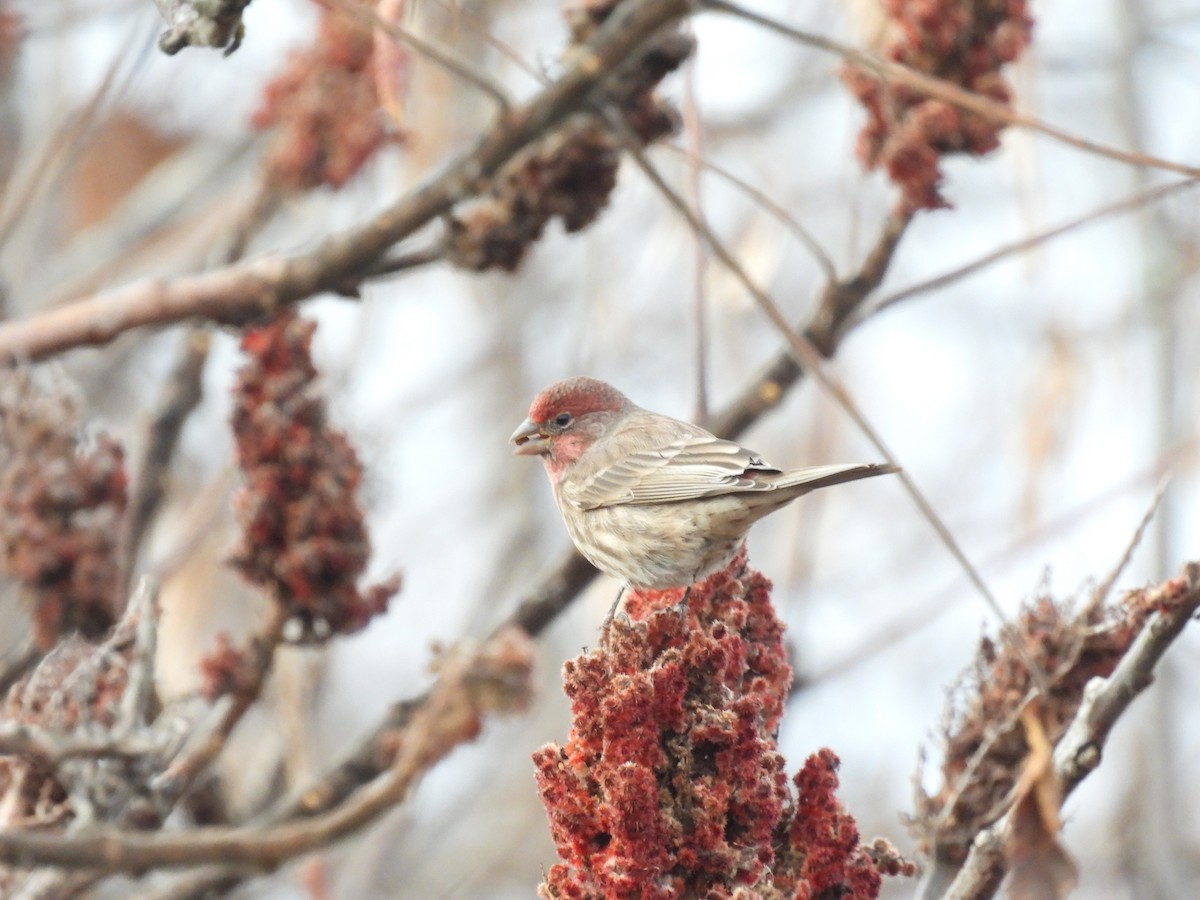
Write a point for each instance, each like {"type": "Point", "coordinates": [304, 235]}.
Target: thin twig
{"type": "Point", "coordinates": [462, 15]}
{"type": "Point", "coordinates": [889, 633]}
{"type": "Point", "coordinates": [802, 234]}
{"type": "Point", "coordinates": [693, 131]}
{"type": "Point", "coordinates": [403, 262]}
{"type": "Point", "coordinates": [1105, 588]}
{"type": "Point", "coordinates": [68, 137]}
{"type": "Point", "coordinates": [173, 783]}
{"type": "Point", "coordinates": [838, 302]}
{"type": "Point", "coordinates": [1129, 204]}
{"type": "Point", "coordinates": [366, 15]}
{"type": "Point", "coordinates": [252, 222]}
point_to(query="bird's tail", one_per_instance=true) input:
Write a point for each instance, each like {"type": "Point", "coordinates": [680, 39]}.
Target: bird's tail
{"type": "Point", "coordinates": [802, 481]}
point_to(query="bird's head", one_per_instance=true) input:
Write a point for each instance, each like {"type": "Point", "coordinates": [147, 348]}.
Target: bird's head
{"type": "Point", "coordinates": [566, 418]}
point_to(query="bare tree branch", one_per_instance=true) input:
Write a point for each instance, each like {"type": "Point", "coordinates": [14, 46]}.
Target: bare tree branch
{"type": "Point", "coordinates": [1080, 750]}
{"type": "Point", "coordinates": [49, 748]}
{"type": "Point", "coordinates": [242, 292]}
{"type": "Point", "coordinates": [180, 398]}
{"type": "Point", "coordinates": [493, 677]}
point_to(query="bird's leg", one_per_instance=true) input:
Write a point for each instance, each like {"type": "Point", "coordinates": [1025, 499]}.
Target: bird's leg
{"type": "Point", "coordinates": [682, 606]}
{"type": "Point", "coordinates": [612, 611]}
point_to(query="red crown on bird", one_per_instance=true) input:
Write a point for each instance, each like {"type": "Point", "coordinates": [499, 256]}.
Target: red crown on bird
{"type": "Point", "coordinates": [577, 396]}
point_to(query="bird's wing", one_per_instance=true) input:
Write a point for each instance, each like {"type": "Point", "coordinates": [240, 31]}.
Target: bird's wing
{"type": "Point", "coordinates": [689, 467]}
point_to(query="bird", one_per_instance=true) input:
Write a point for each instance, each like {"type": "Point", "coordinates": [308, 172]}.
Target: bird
{"type": "Point", "coordinates": [650, 500]}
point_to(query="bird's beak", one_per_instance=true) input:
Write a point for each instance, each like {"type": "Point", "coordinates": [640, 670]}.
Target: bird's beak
{"type": "Point", "coordinates": [528, 440]}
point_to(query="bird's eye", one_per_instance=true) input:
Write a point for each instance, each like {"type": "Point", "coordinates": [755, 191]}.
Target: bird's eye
{"type": "Point", "coordinates": [562, 420]}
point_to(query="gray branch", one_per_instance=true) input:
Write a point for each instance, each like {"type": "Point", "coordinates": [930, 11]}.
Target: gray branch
{"type": "Point", "coordinates": [201, 23]}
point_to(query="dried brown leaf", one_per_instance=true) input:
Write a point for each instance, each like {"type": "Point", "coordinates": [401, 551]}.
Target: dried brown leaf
{"type": "Point", "coordinates": [1041, 867]}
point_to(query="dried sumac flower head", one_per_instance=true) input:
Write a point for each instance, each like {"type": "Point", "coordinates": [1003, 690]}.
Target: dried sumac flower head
{"type": "Point", "coordinates": [303, 536]}
{"type": "Point", "coordinates": [984, 743]}
{"type": "Point", "coordinates": [325, 108]}
{"type": "Point", "coordinates": [670, 784]}
{"type": "Point", "coordinates": [227, 669]}
{"type": "Point", "coordinates": [908, 132]}
{"type": "Point", "coordinates": [62, 497]}
{"type": "Point", "coordinates": [570, 173]}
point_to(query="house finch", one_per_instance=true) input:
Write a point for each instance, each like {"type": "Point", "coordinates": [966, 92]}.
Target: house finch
{"type": "Point", "coordinates": [654, 501]}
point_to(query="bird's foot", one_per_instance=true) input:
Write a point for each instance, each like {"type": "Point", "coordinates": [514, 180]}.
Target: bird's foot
{"type": "Point", "coordinates": [681, 608]}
